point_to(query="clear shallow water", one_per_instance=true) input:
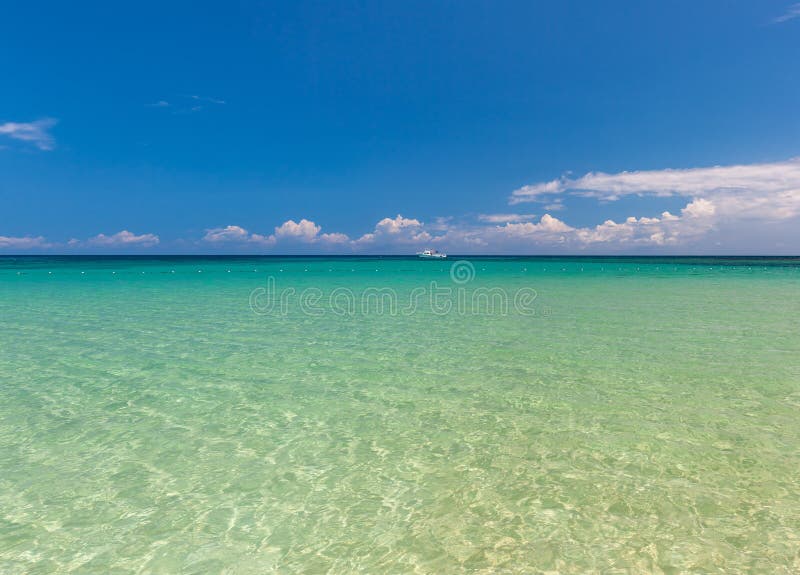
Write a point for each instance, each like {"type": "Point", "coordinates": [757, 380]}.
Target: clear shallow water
{"type": "Point", "coordinates": [642, 418]}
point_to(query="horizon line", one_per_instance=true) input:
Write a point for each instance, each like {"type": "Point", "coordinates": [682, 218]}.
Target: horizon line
{"type": "Point", "coordinates": [414, 256]}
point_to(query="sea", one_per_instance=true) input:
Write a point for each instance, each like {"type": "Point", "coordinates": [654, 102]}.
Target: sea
{"type": "Point", "coordinates": [488, 415]}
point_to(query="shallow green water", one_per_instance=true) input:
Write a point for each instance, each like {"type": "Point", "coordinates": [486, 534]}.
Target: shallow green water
{"type": "Point", "coordinates": [636, 416]}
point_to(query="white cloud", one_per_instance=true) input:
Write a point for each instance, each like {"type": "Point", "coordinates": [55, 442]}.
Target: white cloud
{"type": "Point", "coordinates": [23, 243]}
{"type": "Point", "coordinates": [722, 196]}
{"type": "Point", "coordinates": [334, 238]}
{"type": "Point", "coordinates": [307, 232]}
{"type": "Point", "coordinates": [36, 133]}
{"type": "Point", "coordinates": [777, 179]}
{"type": "Point", "coordinates": [503, 218]}
{"type": "Point", "coordinates": [394, 231]}
{"type": "Point", "coordinates": [124, 238]}
{"type": "Point", "coordinates": [532, 192]}
{"type": "Point", "coordinates": [699, 209]}
{"type": "Point", "coordinates": [304, 230]}
{"type": "Point", "coordinates": [547, 225]}
{"type": "Point", "coordinates": [226, 234]}
{"type": "Point", "coordinates": [403, 234]}
{"type": "Point", "coordinates": [396, 226]}
{"type": "Point", "coordinates": [696, 219]}
{"type": "Point", "coordinates": [234, 234]}
{"type": "Point", "coordinates": [791, 13]}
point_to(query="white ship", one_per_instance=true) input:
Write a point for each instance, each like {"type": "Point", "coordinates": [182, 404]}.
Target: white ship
{"type": "Point", "coordinates": [431, 255]}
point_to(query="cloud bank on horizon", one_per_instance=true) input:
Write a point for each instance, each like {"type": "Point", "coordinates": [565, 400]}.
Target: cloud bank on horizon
{"type": "Point", "coordinates": [721, 201]}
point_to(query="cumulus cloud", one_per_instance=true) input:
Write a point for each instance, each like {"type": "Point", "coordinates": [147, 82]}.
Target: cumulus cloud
{"type": "Point", "coordinates": [302, 232]}
{"type": "Point", "coordinates": [779, 180]}
{"type": "Point", "coordinates": [36, 133]}
{"type": "Point", "coordinates": [396, 226]}
{"type": "Point", "coordinates": [228, 233]}
{"type": "Point", "coordinates": [395, 231]}
{"type": "Point", "coordinates": [23, 243]}
{"type": "Point", "coordinates": [547, 225]}
{"type": "Point", "coordinates": [665, 230]}
{"type": "Point", "coordinates": [699, 209]}
{"type": "Point", "coordinates": [387, 232]}
{"type": "Point", "coordinates": [696, 219]}
{"type": "Point", "coordinates": [405, 235]}
{"type": "Point", "coordinates": [123, 238]}
{"type": "Point", "coordinates": [236, 234]}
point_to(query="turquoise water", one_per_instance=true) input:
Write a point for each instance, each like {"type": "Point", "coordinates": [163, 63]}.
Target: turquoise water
{"type": "Point", "coordinates": [635, 416]}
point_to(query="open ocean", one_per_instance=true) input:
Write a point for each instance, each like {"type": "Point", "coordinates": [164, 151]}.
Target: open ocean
{"type": "Point", "coordinates": [390, 415]}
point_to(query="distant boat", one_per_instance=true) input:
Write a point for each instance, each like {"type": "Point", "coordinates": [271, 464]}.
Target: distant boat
{"type": "Point", "coordinates": [431, 255]}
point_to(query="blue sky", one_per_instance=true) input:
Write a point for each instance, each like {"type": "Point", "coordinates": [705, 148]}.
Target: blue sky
{"type": "Point", "coordinates": [376, 127]}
